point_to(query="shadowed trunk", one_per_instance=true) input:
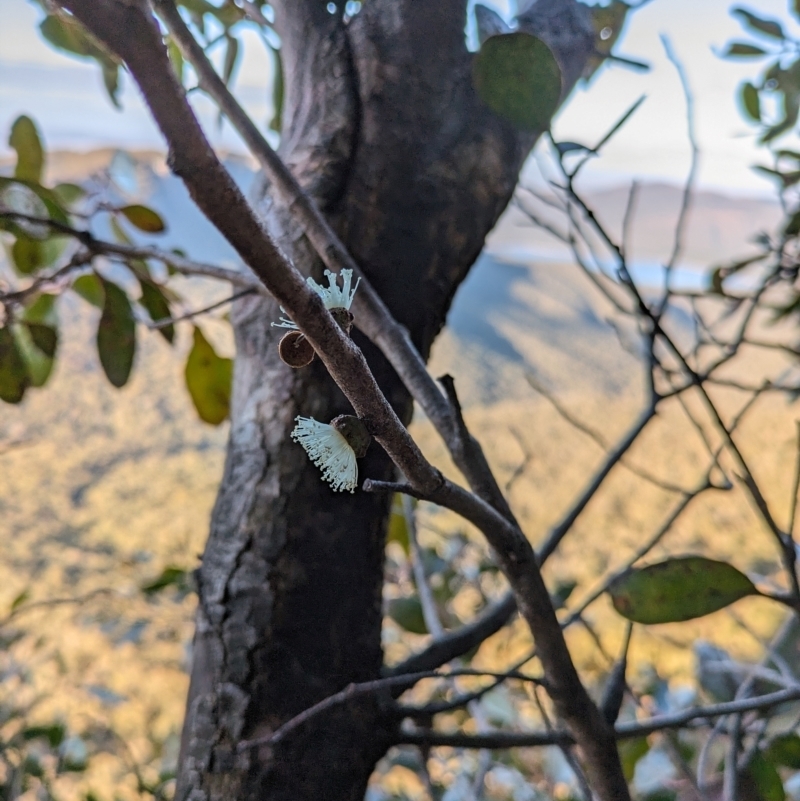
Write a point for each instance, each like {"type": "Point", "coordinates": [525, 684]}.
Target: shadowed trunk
{"type": "Point", "coordinates": [383, 129]}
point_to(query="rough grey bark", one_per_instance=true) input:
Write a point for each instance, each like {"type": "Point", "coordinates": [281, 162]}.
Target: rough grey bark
{"type": "Point", "coordinates": [382, 127]}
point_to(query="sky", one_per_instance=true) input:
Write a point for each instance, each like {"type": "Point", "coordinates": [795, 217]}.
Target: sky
{"type": "Point", "coordinates": [64, 96]}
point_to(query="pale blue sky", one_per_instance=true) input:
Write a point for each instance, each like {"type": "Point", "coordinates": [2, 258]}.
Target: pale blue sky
{"type": "Point", "coordinates": [63, 94]}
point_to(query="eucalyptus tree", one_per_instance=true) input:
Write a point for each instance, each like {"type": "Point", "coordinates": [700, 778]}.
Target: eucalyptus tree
{"type": "Point", "coordinates": [399, 150]}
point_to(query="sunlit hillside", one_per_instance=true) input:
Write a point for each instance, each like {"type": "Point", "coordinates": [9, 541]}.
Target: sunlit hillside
{"type": "Point", "coordinates": [102, 489]}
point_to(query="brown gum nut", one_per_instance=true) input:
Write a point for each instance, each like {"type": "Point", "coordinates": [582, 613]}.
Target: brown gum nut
{"type": "Point", "coordinates": [354, 431]}
{"type": "Point", "coordinates": [295, 350]}
{"type": "Point", "coordinates": [343, 317]}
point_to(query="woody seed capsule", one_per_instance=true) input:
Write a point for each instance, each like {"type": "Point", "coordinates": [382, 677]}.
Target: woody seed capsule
{"type": "Point", "coordinates": [295, 350]}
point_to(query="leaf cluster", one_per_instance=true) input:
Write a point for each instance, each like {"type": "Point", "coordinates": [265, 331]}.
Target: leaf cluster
{"type": "Point", "coordinates": [52, 253]}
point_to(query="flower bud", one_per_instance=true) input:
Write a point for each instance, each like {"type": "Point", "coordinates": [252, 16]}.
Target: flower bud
{"type": "Point", "coordinates": [295, 350]}
{"type": "Point", "coordinates": [354, 431]}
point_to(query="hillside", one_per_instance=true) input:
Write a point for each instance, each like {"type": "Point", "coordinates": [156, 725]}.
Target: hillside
{"type": "Point", "coordinates": [102, 489]}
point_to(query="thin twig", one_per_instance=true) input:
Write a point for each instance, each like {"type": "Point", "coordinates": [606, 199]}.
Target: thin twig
{"type": "Point", "coordinates": [167, 321]}
{"type": "Point", "coordinates": [560, 530]}
{"type": "Point", "coordinates": [429, 611]}
{"type": "Point", "coordinates": [623, 731]}
{"type": "Point", "coordinates": [688, 188]}
{"type": "Point", "coordinates": [596, 436]}
{"type": "Point", "coordinates": [47, 603]}
{"type": "Point", "coordinates": [354, 690]}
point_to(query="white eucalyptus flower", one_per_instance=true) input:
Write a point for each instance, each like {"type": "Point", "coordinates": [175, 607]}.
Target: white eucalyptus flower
{"type": "Point", "coordinates": [333, 296]}
{"type": "Point", "coordinates": [330, 451]}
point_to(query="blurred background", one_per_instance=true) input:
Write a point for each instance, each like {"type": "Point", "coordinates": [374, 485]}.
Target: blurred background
{"type": "Point", "coordinates": [105, 493]}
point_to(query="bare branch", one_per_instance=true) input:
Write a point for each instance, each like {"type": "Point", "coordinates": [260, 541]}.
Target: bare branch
{"type": "Point", "coordinates": [627, 218]}
{"type": "Point", "coordinates": [456, 643]}
{"type": "Point", "coordinates": [92, 247]}
{"type": "Point", "coordinates": [596, 436]}
{"type": "Point", "coordinates": [353, 691]}
{"type": "Point", "coordinates": [48, 603]}
{"type": "Point", "coordinates": [794, 500]}
{"type": "Point", "coordinates": [167, 321]}
{"type": "Point", "coordinates": [429, 611]}
{"type": "Point", "coordinates": [559, 531]}
{"type": "Point", "coordinates": [683, 215]}
{"type": "Point", "coordinates": [622, 731]}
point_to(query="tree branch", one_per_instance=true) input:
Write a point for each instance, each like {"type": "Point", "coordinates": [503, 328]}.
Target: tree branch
{"type": "Point", "coordinates": [456, 643]}
{"type": "Point", "coordinates": [367, 688]}
{"type": "Point", "coordinates": [133, 36]}
{"type": "Point", "coordinates": [98, 247]}
{"type": "Point", "coordinates": [623, 731]}
{"type": "Point", "coordinates": [559, 531]}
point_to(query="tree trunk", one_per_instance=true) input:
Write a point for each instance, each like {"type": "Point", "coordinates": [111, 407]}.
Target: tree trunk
{"type": "Point", "coordinates": [383, 128]}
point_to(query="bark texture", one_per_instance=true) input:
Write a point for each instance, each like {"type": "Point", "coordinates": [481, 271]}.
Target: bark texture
{"type": "Point", "coordinates": [383, 128]}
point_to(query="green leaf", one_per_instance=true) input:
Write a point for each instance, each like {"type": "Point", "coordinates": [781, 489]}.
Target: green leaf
{"type": "Point", "coordinates": [787, 179]}
{"type": "Point", "coordinates": [682, 588]}
{"type": "Point", "coordinates": [67, 34]}
{"type": "Point", "coordinates": [13, 372]}
{"type": "Point", "coordinates": [171, 576]}
{"type": "Point", "coordinates": [561, 592]}
{"type": "Point", "coordinates": [32, 766]}
{"type": "Point", "coordinates": [715, 281]}
{"type": "Point", "coordinates": [766, 779]}
{"type": "Point", "coordinates": [25, 140]}
{"type": "Point", "coordinates": [208, 379]}
{"type": "Point", "coordinates": [37, 345]}
{"type": "Point", "coordinates": [792, 227]}
{"type": "Point", "coordinates": [143, 218]}
{"type": "Point", "coordinates": [751, 102]}
{"type": "Point", "coordinates": [116, 335]}
{"type": "Point", "coordinates": [791, 106]}
{"type": "Point", "coordinates": [20, 599]}
{"type": "Point", "coordinates": [19, 198]}
{"type": "Point", "coordinates": [47, 196]}
{"type": "Point", "coordinates": [90, 288]}
{"type": "Point", "coordinates": [398, 526]}
{"type": "Point", "coordinates": [630, 752]}
{"type": "Point", "coordinates": [231, 58]}
{"type": "Point", "coordinates": [45, 338]}
{"type": "Point", "coordinates": [784, 751]}
{"type": "Point", "coordinates": [68, 194]}
{"type": "Point", "coordinates": [54, 733]}
{"type": "Point", "coordinates": [517, 76]}
{"type": "Point", "coordinates": [119, 232]}
{"type": "Point", "coordinates": [175, 57]}
{"type": "Point", "coordinates": [278, 90]}
{"type": "Point", "coordinates": [572, 147]}
{"type": "Point", "coordinates": [768, 27]}
{"type": "Point", "coordinates": [28, 255]}
{"type": "Point", "coordinates": [407, 613]}
{"type": "Point", "coordinates": [157, 307]}
{"type": "Point", "coordinates": [110, 70]}
{"type": "Point", "coordinates": [743, 50]}
{"type": "Point", "coordinates": [42, 310]}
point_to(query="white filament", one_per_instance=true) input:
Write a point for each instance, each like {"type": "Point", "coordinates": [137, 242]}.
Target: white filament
{"type": "Point", "coordinates": [332, 296]}
{"type": "Point", "coordinates": [329, 451]}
